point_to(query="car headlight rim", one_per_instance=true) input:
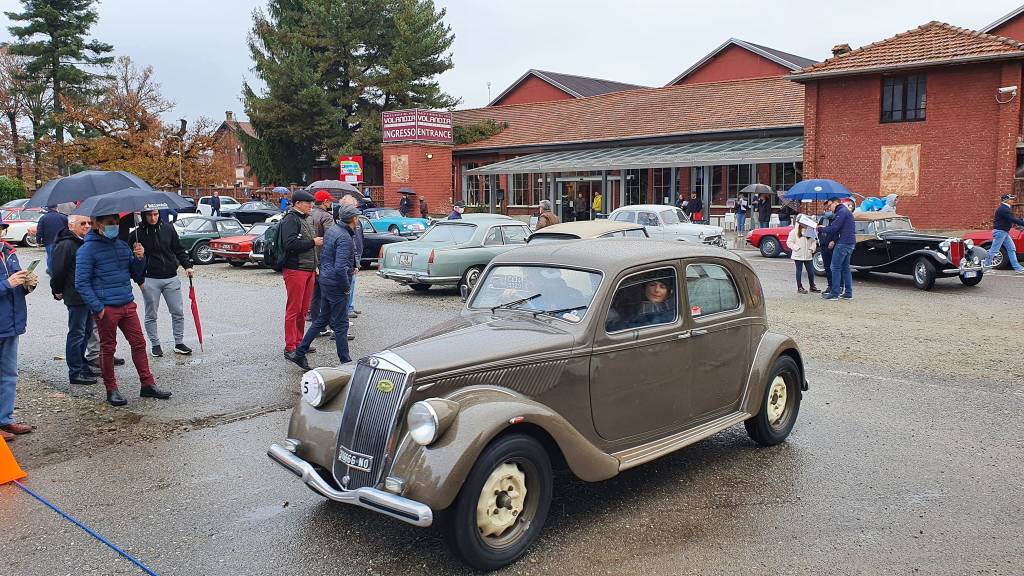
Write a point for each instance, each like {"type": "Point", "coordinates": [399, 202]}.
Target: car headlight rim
{"type": "Point", "coordinates": [969, 243]}
{"type": "Point", "coordinates": [423, 423]}
{"type": "Point", "coordinates": [312, 388]}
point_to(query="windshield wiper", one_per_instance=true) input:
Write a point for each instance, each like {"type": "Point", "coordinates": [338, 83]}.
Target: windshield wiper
{"type": "Point", "coordinates": [515, 303]}
{"type": "Point", "coordinates": [559, 310]}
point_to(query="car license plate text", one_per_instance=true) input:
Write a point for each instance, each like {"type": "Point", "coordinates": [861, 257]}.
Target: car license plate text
{"type": "Point", "coordinates": [970, 274]}
{"type": "Point", "coordinates": [354, 459]}
{"type": "Point", "coordinates": [405, 260]}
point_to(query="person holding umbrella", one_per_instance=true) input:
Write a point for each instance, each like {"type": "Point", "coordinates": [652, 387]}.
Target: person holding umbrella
{"type": "Point", "coordinates": [164, 253]}
{"type": "Point", "coordinates": [404, 205]}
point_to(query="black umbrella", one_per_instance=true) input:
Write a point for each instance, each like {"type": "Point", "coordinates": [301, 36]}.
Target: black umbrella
{"type": "Point", "coordinates": [332, 185]}
{"type": "Point", "coordinates": [84, 185]}
{"type": "Point", "coordinates": [130, 200]}
{"type": "Point", "coordinates": [756, 189]}
{"type": "Point", "coordinates": [407, 191]}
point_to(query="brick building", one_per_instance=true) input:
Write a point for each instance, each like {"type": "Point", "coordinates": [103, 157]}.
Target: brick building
{"type": "Point", "coordinates": [228, 151]}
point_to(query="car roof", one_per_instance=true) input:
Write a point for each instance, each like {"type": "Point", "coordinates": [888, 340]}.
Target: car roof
{"type": "Point", "coordinates": [610, 255]}
{"type": "Point", "coordinates": [650, 207]}
{"type": "Point", "coordinates": [483, 220]}
{"type": "Point", "coordinates": [589, 228]}
{"type": "Point", "coordinates": [486, 216]}
{"type": "Point", "coordinates": [876, 215]}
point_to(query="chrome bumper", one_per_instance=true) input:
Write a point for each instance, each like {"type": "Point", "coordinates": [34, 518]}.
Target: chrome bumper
{"type": "Point", "coordinates": [385, 503]}
{"type": "Point", "coordinates": [979, 269]}
{"type": "Point", "coordinates": [228, 253]}
{"type": "Point", "coordinates": [416, 278]}
{"type": "Point", "coordinates": [716, 241]}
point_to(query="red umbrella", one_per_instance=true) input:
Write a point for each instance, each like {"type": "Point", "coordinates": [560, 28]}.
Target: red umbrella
{"type": "Point", "coordinates": [195, 311]}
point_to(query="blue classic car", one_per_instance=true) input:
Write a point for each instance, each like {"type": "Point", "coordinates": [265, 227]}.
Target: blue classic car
{"type": "Point", "coordinates": [391, 220]}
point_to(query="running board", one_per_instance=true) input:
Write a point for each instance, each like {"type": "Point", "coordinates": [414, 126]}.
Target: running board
{"type": "Point", "coordinates": [658, 448]}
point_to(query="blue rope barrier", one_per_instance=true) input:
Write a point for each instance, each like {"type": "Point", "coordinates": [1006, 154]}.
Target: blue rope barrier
{"type": "Point", "coordinates": [88, 530]}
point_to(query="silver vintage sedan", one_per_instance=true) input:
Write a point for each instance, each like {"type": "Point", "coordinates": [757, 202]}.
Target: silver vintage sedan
{"type": "Point", "coordinates": [669, 223]}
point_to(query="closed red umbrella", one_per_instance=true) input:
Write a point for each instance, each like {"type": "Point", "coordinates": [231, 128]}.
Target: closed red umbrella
{"type": "Point", "coordinates": [195, 311]}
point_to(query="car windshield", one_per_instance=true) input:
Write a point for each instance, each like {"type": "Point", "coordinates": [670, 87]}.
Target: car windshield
{"type": "Point", "coordinates": [197, 224]}
{"type": "Point", "coordinates": [898, 224]}
{"type": "Point", "coordinates": [561, 292]}
{"type": "Point", "coordinates": [258, 206]}
{"type": "Point", "coordinates": [258, 229]}
{"type": "Point", "coordinates": [387, 213]}
{"type": "Point", "coordinates": [449, 233]}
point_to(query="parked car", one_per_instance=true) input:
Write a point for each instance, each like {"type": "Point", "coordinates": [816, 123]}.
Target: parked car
{"type": "Point", "coordinates": [16, 203]}
{"type": "Point", "coordinates": [374, 241]}
{"type": "Point", "coordinates": [237, 249]}
{"type": "Point", "coordinates": [452, 252]}
{"type": "Point", "coordinates": [596, 356]}
{"type": "Point", "coordinates": [227, 204]}
{"type": "Point", "coordinates": [253, 212]}
{"type": "Point", "coordinates": [392, 220]}
{"type": "Point", "coordinates": [983, 238]}
{"type": "Point", "coordinates": [587, 229]}
{"type": "Point", "coordinates": [189, 210]}
{"type": "Point", "coordinates": [197, 233]}
{"type": "Point", "coordinates": [770, 241]}
{"type": "Point", "coordinates": [21, 225]}
{"type": "Point", "coordinates": [887, 242]}
{"type": "Point", "coordinates": [669, 223]}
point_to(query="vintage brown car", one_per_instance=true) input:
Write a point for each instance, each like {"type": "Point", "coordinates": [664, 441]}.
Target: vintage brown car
{"type": "Point", "coordinates": [594, 355]}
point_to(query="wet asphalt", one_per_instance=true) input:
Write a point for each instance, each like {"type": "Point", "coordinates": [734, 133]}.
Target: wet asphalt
{"type": "Point", "coordinates": [891, 469]}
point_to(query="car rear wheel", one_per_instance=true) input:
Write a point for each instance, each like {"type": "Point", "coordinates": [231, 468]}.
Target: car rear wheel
{"type": "Point", "coordinates": [818, 263]}
{"type": "Point", "coordinates": [999, 260]}
{"type": "Point", "coordinates": [236, 263]}
{"type": "Point", "coordinates": [770, 247]}
{"type": "Point", "coordinates": [393, 229]}
{"type": "Point", "coordinates": [420, 287]}
{"type": "Point", "coordinates": [924, 273]}
{"type": "Point", "coordinates": [202, 253]}
{"type": "Point", "coordinates": [779, 406]}
{"type": "Point", "coordinates": [502, 505]}
{"type": "Point", "coordinates": [469, 278]}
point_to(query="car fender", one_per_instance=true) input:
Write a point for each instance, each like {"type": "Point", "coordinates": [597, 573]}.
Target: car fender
{"type": "Point", "coordinates": [434, 474]}
{"type": "Point", "coordinates": [769, 349]}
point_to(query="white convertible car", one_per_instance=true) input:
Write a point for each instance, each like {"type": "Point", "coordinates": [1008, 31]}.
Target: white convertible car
{"type": "Point", "coordinates": [669, 223]}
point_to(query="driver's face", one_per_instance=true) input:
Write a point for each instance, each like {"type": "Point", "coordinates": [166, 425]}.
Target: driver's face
{"type": "Point", "coordinates": [656, 291]}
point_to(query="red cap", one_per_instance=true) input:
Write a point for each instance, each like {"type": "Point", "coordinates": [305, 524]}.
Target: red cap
{"type": "Point", "coordinates": [322, 196]}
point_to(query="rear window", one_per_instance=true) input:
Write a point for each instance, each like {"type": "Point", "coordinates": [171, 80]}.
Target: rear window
{"type": "Point", "coordinates": [449, 233]}
{"type": "Point", "coordinates": [624, 216]}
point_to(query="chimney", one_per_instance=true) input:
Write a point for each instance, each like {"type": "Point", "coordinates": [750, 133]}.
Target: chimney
{"type": "Point", "coordinates": [231, 115]}
{"type": "Point", "coordinates": [840, 49]}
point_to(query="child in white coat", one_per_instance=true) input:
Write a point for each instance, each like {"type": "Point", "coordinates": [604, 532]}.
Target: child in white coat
{"type": "Point", "coordinates": [802, 246]}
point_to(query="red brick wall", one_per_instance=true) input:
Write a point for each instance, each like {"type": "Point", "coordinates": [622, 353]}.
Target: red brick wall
{"type": "Point", "coordinates": [533, 89]}
{"type": "Point", "coordinates": [967, 142]}
{"type": "Point", "coordinates": [1012, 29]}
{"type": "Point", "coordinates": [431, 178]}
{"type": "Point", "coordinates": [734, 63]}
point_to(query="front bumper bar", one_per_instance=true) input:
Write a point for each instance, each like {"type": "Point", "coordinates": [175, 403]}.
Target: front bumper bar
{"type": "Point", "coordinates": [404, 509]}
{"type": "Point", "coordinates": [416, 278]}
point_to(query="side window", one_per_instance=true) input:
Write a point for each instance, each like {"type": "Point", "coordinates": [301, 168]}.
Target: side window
{"type": "Point", "coordinates": [647, 219]}
{"type": "Point", "coordinates": [205, 201]}
{"type": "Point", "coordinates": [625, 216]}
{"type": "Point", "coordinates": [367, 226]}
{"type": "Point", "coordinates": [229, 227]}
{"type": "Point", "coordinates": [636, 233]}
{"type": "Point", "coordinates": [644, 300]}
{"type": "Point", "coordinates": [710, 289]}
{"type": "Point", "coordinates": [493, 237]}
{"type": "Point", "coordinates": [864, 227]}
{"type": "Point", "coordinates": [515, 234]}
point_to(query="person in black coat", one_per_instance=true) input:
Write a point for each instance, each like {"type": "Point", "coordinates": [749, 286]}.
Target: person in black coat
{"type": "Point", "coordinates": [62, 285]}
{"type": "Point", "coordinates": [404, 205]}
{"type": "Point", "coordinates": [424, 212]}
{"type": "Point", "coordinates": [764, 211]}
{"type": "Point", "coordinates": [49, 226]}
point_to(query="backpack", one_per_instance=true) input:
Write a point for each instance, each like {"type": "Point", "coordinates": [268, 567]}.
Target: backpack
{"type": "Point", "coordinates": [273, 249]}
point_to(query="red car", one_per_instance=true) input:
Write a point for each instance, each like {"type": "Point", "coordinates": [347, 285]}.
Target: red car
{"type": "Point", "coordinates": [237, 249]}
{"type": "Point", "coordinates": [983, 238]}
{"type": "Point", "coordinates": [771, 241]}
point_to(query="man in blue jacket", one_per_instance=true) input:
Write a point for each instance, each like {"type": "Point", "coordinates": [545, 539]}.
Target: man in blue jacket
{"type": "Point", "coordinates": [104, 270]}
{"type": "Point", "coordinates": [215, 204]}
{"type": "Point", "coordinates": [335, 284]}
{"type": "Point", "coordinates": [1001, 223]}
{"type": "Point", "coordinates": [843, 232]}
{"type": "Point", "coordinates": [15, 283]}
{"type": "Point", "coordinates": [49, 226]}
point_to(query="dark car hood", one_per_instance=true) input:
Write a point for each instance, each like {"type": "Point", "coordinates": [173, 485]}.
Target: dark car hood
{"type": "Point", "coordinates": [912, 235]}
{"type": "Point", "coordinates": [480, 338]}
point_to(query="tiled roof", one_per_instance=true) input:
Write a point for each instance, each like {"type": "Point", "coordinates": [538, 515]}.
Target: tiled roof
{"type": "Point", "coordinates": [758, 103]}
{"type": "Point", "coordinates": [575, 86]}
{"type": "Point", "coordinates": [931, 44]}
{"type": "Point", "coordinates": [235, 125]}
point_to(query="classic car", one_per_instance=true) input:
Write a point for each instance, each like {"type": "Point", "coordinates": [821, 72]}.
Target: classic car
{"type": "Point", "coordinates": [238, 249]}
{"type": "Point", "coordinates": [587, 229]}
{"type": "Point", "coordinates": [374, 241]}
{"type": "Point", "coordinates": [227, 204]}
{"type": "Point", "coordinates": [770, 241]}
{"type": "Point", "coordinates": [253, 212]}
{"type": "Point", "coordinates": [887, 242]}
{"type": "Point", "coordinates": [392, 220]}
{"type": "Point", "coordinates": [196, 234]}
{"type": "Point", "coordinates": [596, 356]}
{"type": "Point", "coordinates": [21, 225]}
{"type": "Point", "coordinates": [451, 252]}
{"type": "Point", "coordinates": [16, 203]}
{"type": "Point", "coordinates": [983, 238]}
{"type": "Point", "coordinates": [669, 223]}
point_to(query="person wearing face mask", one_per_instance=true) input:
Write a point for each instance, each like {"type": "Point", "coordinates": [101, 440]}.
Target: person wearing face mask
{"type": "Point", "coordinates": [62, 285]}
{"type": "Point", "coordinates": [457, 209]}
{"type": "Point", "coordinates": [104, 270]}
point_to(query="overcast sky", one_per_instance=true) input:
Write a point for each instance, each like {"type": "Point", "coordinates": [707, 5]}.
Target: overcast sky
{"type": "Point", "coordinates": [197, 47]}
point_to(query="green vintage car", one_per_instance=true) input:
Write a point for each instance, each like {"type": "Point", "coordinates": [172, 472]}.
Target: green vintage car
{"type": "Point", "coordinates": [452, 252]}
{"type": "Point", "coordinates": [197, 232]}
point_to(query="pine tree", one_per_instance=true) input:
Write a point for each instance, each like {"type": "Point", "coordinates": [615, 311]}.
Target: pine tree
{"type": "Point", "coordinates": [53, 38]}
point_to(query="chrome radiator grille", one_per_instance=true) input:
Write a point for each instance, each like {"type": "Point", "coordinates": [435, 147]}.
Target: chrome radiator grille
{"type": "Point", "coordinates": [367, 423]}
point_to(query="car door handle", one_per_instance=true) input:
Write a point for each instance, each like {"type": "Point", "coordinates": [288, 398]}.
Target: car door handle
{"type": "Point", "coordinates": [689, 333]}
{"type": "Point", "coordinates": [698, 332]}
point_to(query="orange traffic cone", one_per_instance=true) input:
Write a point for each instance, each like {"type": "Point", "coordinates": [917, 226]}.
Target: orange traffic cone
{"type": "Point", "coordinates": [9, 469]}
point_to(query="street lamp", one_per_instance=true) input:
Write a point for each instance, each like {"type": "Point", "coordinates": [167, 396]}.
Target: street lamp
{"type": "Point", "coordinates": [180, 136]}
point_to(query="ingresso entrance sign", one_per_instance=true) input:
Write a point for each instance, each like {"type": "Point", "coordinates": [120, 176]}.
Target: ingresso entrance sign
{"type": "Point", "coordinates": [417, 125]}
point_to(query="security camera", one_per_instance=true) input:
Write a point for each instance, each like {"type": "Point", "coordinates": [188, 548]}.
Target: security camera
{"type": "Point", "coordinates": [1008, 90]}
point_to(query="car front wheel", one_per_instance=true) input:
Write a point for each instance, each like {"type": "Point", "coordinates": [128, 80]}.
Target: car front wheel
{"type": "Point", "coordinates": [779, 406]}
{"type": "Point", "coordinates": [924, 273]}
{"type": "Point", "coordinates": [30, 240]}
{"type": "Point", "coordinates": [770, 247]}
{"type": "Point", "coordinates": [819, 264]}
{"type": "Point", "coordinates": [393, 229]}
{"type": "Point", "coordinates": [999, 260]}
{"type": "Point", "coordinates": [502, 505]}
{"type": "Point", "coordinates": [202, 253]}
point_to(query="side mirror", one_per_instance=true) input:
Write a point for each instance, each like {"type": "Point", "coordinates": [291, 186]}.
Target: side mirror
{"type": "Point", "coordinates": [464, 292]}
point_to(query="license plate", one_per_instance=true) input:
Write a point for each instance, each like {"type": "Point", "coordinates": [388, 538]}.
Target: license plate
{"type": "Point", "coordinates": [405, 260]}
{"type": "Point", "coordinates": [354, 459]}
{"type": "Point", "coordinates": [970, 274]}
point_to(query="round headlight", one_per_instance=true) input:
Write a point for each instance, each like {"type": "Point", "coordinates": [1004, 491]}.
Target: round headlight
{"type": "Point", "coordinates": [944, 246]}
{"type": "Point", "coordinates": [422, 421]}
{"type": "Point", "coordinates": [969, 243]}
{"type": "Point", "coordinates": [312, 387]}
{"type": "Point", "coordinates": [700, 235]}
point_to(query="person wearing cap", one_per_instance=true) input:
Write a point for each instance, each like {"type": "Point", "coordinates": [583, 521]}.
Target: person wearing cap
{"type": "Point", "coordinates": [457, 209]}
{"type": "Point", "coordinates": [15, 283]}
{"type": "Point", "coordinates": [1001, 223]}
{"type": "Point", "coordinates": [547, 217]}
{"type": "Point", "coordinates": [49, 226]}
{"type": "Point", "coordinates": [164, 253]}
{"type": "Point", "coordinates": [339, 251]}
{"type": "Point", "coordinates": [323, 219]}
{"type": "Point", "coordinates": [298, 242]}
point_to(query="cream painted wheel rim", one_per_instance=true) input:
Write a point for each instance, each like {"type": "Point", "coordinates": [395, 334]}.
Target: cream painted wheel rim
{"type": "Point", "coordinates": [502, 500]}
{"type": "Point", "coordinates": [777, 400]}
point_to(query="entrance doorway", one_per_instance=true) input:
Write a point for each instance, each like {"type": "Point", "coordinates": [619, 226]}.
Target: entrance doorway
{"type": "Point", "coordinates": [577, 197]}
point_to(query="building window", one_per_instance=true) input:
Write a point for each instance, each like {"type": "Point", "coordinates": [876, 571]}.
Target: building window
{"type": "Point", "coordinates": [662, 185]}
{"type": "Point", "coordinates": [740, 176]}
{"type": "Point", "coordinates": [903, 98]}
{"type": "Point", "coordinates": [636, 186]}
{"type": "Point", "coordinates": [472, 191]}
{"type": "Point", "coordinates": [519, 195]}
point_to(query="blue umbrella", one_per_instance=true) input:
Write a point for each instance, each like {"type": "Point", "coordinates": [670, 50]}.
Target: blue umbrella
{"type": "Point", "coordinates": [807, 190]}
{"type": "Point", "coordinates": [130, 200]}
{"type": "Point", "coordinates": [281, 190]}
{"type": "Point", "coordinates": [84, 185]}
